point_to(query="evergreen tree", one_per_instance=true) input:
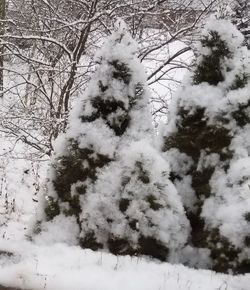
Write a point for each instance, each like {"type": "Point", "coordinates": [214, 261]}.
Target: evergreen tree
{"type": "Point", "coordinates": [207, 145]}
{"type": "Point", "coordinates": [238, 12]}
{"type": "Point", "coordinates": [241, 18]}
{"type": "Point", "coordinates": [105, 176]}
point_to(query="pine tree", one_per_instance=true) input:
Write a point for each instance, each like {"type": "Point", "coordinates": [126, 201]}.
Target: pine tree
{"type": "Point", "coordinates": [207, 145]}
{"type": "Point", "coordinates": [105, 174]}
{"type": "Point", "coordinates": [238, 12]}
{"type": "Point", "coordinates": [241, 18]}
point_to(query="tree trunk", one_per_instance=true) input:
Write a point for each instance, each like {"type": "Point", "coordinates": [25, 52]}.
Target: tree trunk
{"type": "Point", "coordinates": [2, 26]}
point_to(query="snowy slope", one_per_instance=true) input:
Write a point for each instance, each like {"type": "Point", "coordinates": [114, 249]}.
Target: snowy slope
{"type": "Point", "coordinates": [60, 267]}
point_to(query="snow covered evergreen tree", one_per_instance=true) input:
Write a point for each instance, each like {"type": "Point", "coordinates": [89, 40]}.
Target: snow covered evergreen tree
{"type": "Point", "coordinates": [208, 145]}
{"type": "Point", "coordinates": [238, 12]}
{"type": "Point", "coordinates": [241, 18]}
{"type": "Point", "coordinates": [107, 185]}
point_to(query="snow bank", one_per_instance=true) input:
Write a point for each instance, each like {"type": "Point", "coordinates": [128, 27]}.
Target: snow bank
{"type": "Point", "coordinates": [60, 267]}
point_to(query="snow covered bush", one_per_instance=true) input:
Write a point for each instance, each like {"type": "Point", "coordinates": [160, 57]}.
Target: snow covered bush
{"type": "Point", "coordinates": [238, 12]}
{"type": "Point", "coordinates": [207, 142]}
{"type": "Point", "coordinates": [241, 18]}
{"type": "Point", "coordinates": [105, 176]}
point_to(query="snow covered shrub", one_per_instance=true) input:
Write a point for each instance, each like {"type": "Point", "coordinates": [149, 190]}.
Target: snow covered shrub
{"type": "Point", "coordinates": [238, 12]}
{"type": "Point", "coordinates": [207, 145]}
{"type": "Point", "coordinates": [105, 174]}
{"type": "Point", "coordinates": [241, 18]}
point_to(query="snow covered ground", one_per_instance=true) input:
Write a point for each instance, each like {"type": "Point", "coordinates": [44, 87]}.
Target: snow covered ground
{"type": "Point", "coordinates": [60, 267]}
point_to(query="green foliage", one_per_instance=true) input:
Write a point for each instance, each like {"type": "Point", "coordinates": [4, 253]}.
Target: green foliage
{"type": "Point", "coordinates": [89, 242]}
{"type": "Point", "coordinates": [143, 175]}
{"type": "Point", "coordinates": [152, 200]}
{"type": "Point", "coordinates": [193, 135]}
{"type": "Point", "coordinates": [244, 266]}
{"type": "Point", "coordinates": [124, 204]}
{"type": "Point", "coordinates": [242, 114]}
{"type": "Point", "coordinates": [200, 182]}
{"type": "Point", "coordinates": [123, 246]}
{"type": "Point", "coordinates": [105, 107]}
{"type": "Point", "coordinates": [196, 134]}
{"type": "Point", "coordinates": [210, 69]}
{"type": "Point", "coordinates": [247, 241]}
{"type": "Point", "coordinates": [121, 72]}
{"type": "Point", "coordinates": [147, 246]}
{"type": "Point", "coordinates": [70, 170]}
{"type": "Point", "coordinates": [239, 82]}
{"type": "Point", "coordinates": [223, 253]}
{"type": "Point", "coordinates": [52, 209]}
{"type": "Point", "coordinates": [152, 247]}
{"type": "Point", "coordinates": [247, 216]}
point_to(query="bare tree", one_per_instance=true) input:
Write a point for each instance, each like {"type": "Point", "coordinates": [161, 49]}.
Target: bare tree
{"type": "Point", "coordinates": [51, 44]}
{"type": "Point", "coordinates": [2, 31]}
